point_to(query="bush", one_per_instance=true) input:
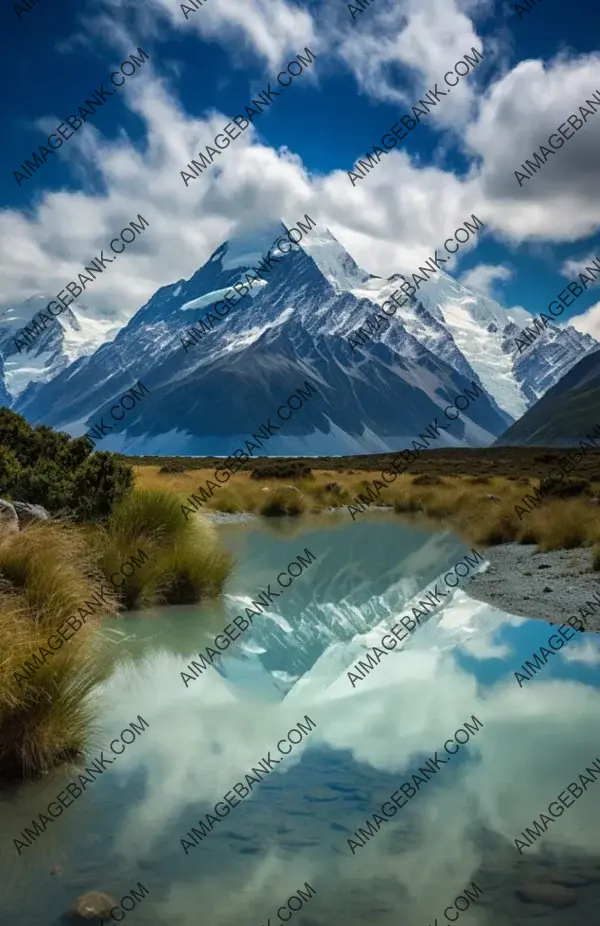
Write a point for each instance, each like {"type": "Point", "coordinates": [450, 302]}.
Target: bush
{"type": "Point", "coordinates": [596, 559]}
{"type": "Point", "coordinates": [564, 488]}
{"type": "Point", "coordinates": [172, 466]}
{"type": "Point", "coordinates": [281, 502]}
{"type": "Point", "coordinates": [281, 470]}
{"type": "Point", "coordinates": [46, 467]}
{"type": "Point", "coordinates": [427, 480]}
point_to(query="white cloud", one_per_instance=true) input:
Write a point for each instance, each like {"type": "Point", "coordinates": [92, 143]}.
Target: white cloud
{"type": "Point", "coordinates": [518, 113]}
{"type": "Point", "coordinates": [274, 30]}
{"type": "Point", "coordinates": [482, 278]}
{"type": "Point", "coordinates": [573, 267]}
{"type": "Point", "coordinates": [586, 652]}
{"type": "Point", "coordinates": [588, 322]}
{"type": "Point", "coordinates": [418, 39]}
{"type": "Point", "coordinates": [394, 218]}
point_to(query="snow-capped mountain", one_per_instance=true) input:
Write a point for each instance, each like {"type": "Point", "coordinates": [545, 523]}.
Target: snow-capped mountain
{"type": "Point", "coordinates": [207, 398]}
{"type": "Point", "coordinates": [71, 336]}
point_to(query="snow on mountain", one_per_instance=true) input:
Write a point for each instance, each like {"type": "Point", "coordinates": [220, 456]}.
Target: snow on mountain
{"type": "Point", "coordinates": [72, 335]}
{"type": "Point", "coordinates": [208, 398]}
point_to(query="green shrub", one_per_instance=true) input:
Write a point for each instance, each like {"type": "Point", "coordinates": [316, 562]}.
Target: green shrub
{"type": "Point", "coordinates": [282, 502]}
{"type": "Point", "coordinates": [281, 469]}
{"type": "Point", "coordinates": [9, 471]}
{"type": "Point", "coordinates": [564, 488]}
{"type": "Point", "coordinates": [426, 480]}
{"type": "Point", "coordinates": [172, 466]}
{"type": "Point", "coordinates": [46, 467]}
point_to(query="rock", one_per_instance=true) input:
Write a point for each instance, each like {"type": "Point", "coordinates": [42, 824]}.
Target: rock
{"type": "Point", "coordinates": [27, 512]}
{"type": "Point", "coordinates": [93, 905]}
{"type": "Point", "coordinates": [549, 895]}
{"type": "Point", "coordinates": [492, 498]}
{"type": "Point", "coordinates": [546, 589]}
{"type": "Point", "coordinates": [292, 489]}
{"type": "Point", "coordinates": [544, 566]}
{"type": "Point", "coordinates": [9, 520]}
{"type": "Point", "coordinates": [265, 489]}
{"type": "Point", "coordinates": [332, 487]}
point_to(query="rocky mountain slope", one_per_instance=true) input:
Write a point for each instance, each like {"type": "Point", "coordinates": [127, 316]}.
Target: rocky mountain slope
{"type": "Point", "coordinates": [567, 412]}
{"type": "Point", "coordinates": [211, 395]}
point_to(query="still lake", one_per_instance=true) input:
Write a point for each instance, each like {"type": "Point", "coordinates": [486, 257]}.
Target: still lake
{"type": "Point", "coordinates": [367, 740]}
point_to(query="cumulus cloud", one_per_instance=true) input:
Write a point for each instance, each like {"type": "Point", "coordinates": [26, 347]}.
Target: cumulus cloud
{"type": "Point", "coordinates": [398, 52]}
{"type": "Point", "coordinates": [482, 278]}
{"type": "Point", "coordinates": [588, 322]}
{"type": "Point", "coordinates": [586, 652]}
{"type": "Point", "coordinates": [518, 113]}
{"type": "Point", "coordinates": [573, 267]}
{"type": "Point", "coordinates": [391, 221]}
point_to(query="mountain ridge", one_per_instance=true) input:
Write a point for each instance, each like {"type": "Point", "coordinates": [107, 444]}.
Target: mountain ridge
{"type": "Point", "coordinates": [292, 326]}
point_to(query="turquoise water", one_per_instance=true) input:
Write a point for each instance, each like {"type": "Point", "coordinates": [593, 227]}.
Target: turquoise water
{"type": "Point", "coordinates": [362, 742]}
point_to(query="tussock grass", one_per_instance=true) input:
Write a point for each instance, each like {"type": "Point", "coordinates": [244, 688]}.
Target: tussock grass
{"type": "Point", "coordinates": [48, 571]}
{"type": "Point", "coordinates": [194, 567]}
{"type": "Point", "coordinates": [596, 559]}
{"type": "Point", "coordinates": [154, 513]}
{"type": "Point", "coordinates": [560, 524]}
{"type": "Point", "coordinates": [185, 559]}
{"type": "Point", "coordinates": [52, 567]}
{"type": "Point", "coordinates": [466, 501]}
{"type": "Point", "coordinates": [282, 501]}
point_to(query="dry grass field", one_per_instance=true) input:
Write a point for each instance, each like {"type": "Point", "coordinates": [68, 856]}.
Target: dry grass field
{"type": "Point", "coordinates": [480, 507]}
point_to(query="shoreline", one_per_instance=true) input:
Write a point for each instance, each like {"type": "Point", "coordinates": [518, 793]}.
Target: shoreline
{"type": "Point", "coordinates": [548, 586]}
{"type": "Point", "coordinates": [520, 579]}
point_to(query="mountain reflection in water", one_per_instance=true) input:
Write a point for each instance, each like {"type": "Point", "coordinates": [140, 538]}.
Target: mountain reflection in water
{"type": "Point", "coordinates": [368, 740]}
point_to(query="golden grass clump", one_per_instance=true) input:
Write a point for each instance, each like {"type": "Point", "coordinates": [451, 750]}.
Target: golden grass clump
{"type": "Point", "coordinates": [282, 501]}
{"type": "Point", "coordinates": [194, 567]}
{"type": "Point", "coordinates": [48, 572]}
{"type": "Point", "coordinates": [560, 524]}
{"type": "Point", "coordinates": [185, 560]}
{"type": "Point", "coordinates": [51, 566]}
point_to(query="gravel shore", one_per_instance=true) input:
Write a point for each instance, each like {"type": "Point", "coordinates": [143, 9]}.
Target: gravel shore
{"type": "Point", "coordinates": [549, 586]}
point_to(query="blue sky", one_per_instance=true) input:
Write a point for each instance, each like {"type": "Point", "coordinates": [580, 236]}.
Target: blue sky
{"type": "Point", "coordinates": [368, 72]}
